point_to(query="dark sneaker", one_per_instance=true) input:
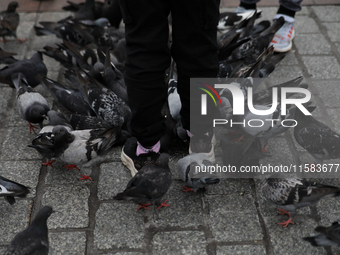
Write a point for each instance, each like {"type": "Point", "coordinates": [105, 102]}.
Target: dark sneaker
{"type": "Point", "coordinates": [203, 144]}
{"type": "Point", "coordinates": [131, 160]}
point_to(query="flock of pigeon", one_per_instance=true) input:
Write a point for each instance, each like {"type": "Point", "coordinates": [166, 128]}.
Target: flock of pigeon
{"type": "Point", "coordinates": [92, 112]}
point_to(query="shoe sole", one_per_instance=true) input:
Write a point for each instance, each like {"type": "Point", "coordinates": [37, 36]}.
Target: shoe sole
{"type": "Point", "coordinates": [128, 162]}
{"type": "Point", "coordinates": [211, 154]}
{"type": "Point", "coordinates": [289, 47]}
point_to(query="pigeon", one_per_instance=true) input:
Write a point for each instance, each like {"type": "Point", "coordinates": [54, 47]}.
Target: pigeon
{"type": "Point", "coordinates": [7, 57]}
{"type": "Point", "coordinates": [317, 138]}
{"type": "Point", "coordinates": [105, 103]}
{"type": "Point", "coordinates": [34, 239]}
{"type": "Point", "coordinates": [83, 147]}
{"type": "Point", "coordinates": [329, 236]}
{"type": "Point", "coordinates": [9, 22]}
{"type": "Point", "coordinates": [57, 118]}
{"type": "Point", "coordinates": [174, 100]}
{"type": "Point", "coordinates": [10, 189]}
{"type": "Point", "coordinates": [149, 185]}
{"type": "Point", "coordinates": [66, 98]}
{"type": "Point", "coordinates": [32, 106]}
{"type": "Point", "coordinates": [30, 68]}
{"type": "Point", "coordinates": [114, 79]}
{"type": "Point", "coordinates": [194, 170]}
{"type": "Point", "coordinates": [292, 193]}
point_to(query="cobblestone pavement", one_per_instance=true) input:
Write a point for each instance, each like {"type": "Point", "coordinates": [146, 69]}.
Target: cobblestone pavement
{"type": "Point", "coordinates": [230, 218]}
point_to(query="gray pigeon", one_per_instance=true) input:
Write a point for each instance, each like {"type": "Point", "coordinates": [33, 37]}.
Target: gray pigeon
{"type": "Point", "coordinates": [9, 21]}
{"type": "Point", "coordinates": [329, 236]}
{"type": "Point", "coordinates": [149, 185]}
{"type": "Point", "coordinates": [30, 68]}
{"type": "Point", "coordinates": [317, 138]}
{"type": "Point", "coordinates": [193, 169]}
{"type": "Point", "coordinates": [291, 193]}
{"type": "Point", "coordinates": [10, 189]}
{"type": "Point", "coordinates": [34, 239]}
{"type": "Point", "coordinates": [82, 147]}
{"type": "Point", "coordinates": [32, 106]}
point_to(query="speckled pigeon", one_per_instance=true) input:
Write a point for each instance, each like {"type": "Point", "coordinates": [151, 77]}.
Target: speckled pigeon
{"type": "Point", "coordinates": [329, 236]}
{"type": "Point", "coordinates": [291, 193]}
{"type": "Point", "coordinates": [10, 189]}
{"type": "Point", "coordinates": [34, 239]}
{"type": "Point", "coordinates": [194, 170]}
{"type": "Point", "coordinates": [149, 185]}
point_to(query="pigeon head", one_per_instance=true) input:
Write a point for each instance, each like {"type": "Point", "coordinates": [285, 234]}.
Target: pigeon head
{"type": "Point", "coordinates": [61, 135]}
{"type": "Point", "coordinates": [39, 222]}
{"type": "Point", "coordinates": [102, 22]}
{"type": "Point", "coordinates": [163, 160]}
{"type": "Point", "coordinates": [36, 114]}
{"type": "Point", "coordinates": [12, 6]}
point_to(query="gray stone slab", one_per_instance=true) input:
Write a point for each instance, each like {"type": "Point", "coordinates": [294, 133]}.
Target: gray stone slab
{"type": "Point", "coordinates": [70, 204]}
{"type": "Point", "coordinates": [304, 11]}
{"type": "Point", "coordinates": [67, 243]}
{"type": "Point", "coordinates": [119, 225]}
{"type": "Point", "coordinates": [125, 253]}
{"type": "Point", "coordinates": [39, 42]}
{"type": "Point", "coordinates": [185, 208]}
{"type": "Point", "coordinates": [289, 240]}
{"type": "Point", "coordinates": [230, 186]}
{"type": "Point", "coordinates": [319, 67]}
{"type": "Point", "coordinates": [23, 172]}
{"type": "Point", "coordinates": [113, 154]}
{"type": "Point", "coordinates": [268, 13]}
{"type": "Point", "coordinates": [316, 44]}
{"type": "Point", "coordinates": [113, 179]}
{"type": "Point", "coordinates": [14, 218]}
{"type": "Point", "coordinates": [6, 95]}
{"type": "Point", "coordinates": [334, 115]}
{"type": "Point", "coordinates": [279, 153]}
{"type": "Point", "coordinates": [289, 59]}
{"type": "Point", "coordinates": [305, 25]}
{"type": "Point", "coordinates": [27, 16]}
{"type": "Point", "coordinates": [15, 145]}
{"type": "Point", "coordinates": [241, 250]}
{"type": "Point", "coordinates": [328, 91]}
{"type": "Point", "coordinates": [184, 242]}
{"type": "Point", "coordinates": [333, 31]}
{"type": "Point", "coordinates": [52, 16]}
{"type": "Point", "coordinates": [2, 250]}
{"type": "Point", "coordinates": [284, 73]}
{"type": "Point", "coordinates": [228, 226]}
{"type": "Point", "coordinates": [329, 13]}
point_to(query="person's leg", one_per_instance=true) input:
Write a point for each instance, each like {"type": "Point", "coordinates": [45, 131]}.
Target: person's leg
{"type": "Point", "coordinates": [282, 40]}
{"type": "Point", "coordinates": [194, 50]}
{"type": "Point", "coordinates": [247, 5]}
{"type": "Point", "coordinates": [148, 56]}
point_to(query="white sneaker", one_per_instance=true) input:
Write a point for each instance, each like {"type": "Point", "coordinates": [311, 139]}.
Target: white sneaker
{"type": "Point", "coordinates": [282, 40]}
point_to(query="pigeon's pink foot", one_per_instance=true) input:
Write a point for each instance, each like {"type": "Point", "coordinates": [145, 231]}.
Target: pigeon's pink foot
{"type": "Point", "coordinates": [48, 163]}
{"type": "Point", "coordinates": [264, 148]}
{"type": "Point", "coordinates": [186, 189]}
{"type": "Point", "coordinates": [145, 206]}
{"type": "Point", "coordinates": [70, 167]}
{"type": "Point", "coordinates": [239, 139]}
{"type": "Point", "coordinates": [32, 128]}
{"type": "Point", "coordinates": [21, 40]}
{"type": "Point", "coordinates": [164, 204]}
{"type": "Point", "coordinates": [286, 223]}
{"type": "Point", "coordinates": [283, 212]}
{"type": "Point", "coordinates": [85, 177]}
